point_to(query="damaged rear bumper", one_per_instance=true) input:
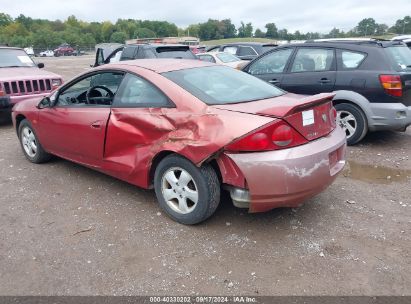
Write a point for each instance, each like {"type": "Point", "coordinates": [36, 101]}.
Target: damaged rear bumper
{"type": "Point", "coordinates": [285, 178]}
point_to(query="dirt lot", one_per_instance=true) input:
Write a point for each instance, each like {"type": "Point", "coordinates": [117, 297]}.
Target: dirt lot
{"type": "Point", "coordinates": [67, 230]}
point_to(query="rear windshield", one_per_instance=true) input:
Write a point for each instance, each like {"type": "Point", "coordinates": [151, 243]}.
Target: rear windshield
{"type": "Point", "coordinates": [180, 53]}
{"type": "Point", "coordinates": [14, 58]}
{"type": "Point", "coordinates": [268, 47]}
{"type": "Point", "coordinates": [227, 57]}
{"type": "Point", "coordinates": [400, 57]}
{"type": "Point", "coordinates": [218, 85]}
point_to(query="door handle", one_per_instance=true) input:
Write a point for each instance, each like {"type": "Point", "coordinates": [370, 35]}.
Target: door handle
{"type": "Point", "coordinates": [96, 125]}
{"type": "Point", "coordinates": [324, 80]}
{"type": "Point", "coordinates": [274, 81]}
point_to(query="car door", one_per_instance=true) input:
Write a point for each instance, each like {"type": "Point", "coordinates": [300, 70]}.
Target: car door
{"type": "Point", "coordinates": [136, 121]}
{"type": "Point", "coordinates": [312, 71]}
{"type": "Point", "coordinates": [271, 66]}
{"type": "Point", "coordinates": [107, 55]}
{"type": "Point", "coordinates": [74, 127]}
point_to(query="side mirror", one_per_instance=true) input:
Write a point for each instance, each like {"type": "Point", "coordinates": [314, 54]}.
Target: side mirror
{"type": "Point", "coordinates": [40, 65]}
{"type": "Point", "coordinates": [44, 103]}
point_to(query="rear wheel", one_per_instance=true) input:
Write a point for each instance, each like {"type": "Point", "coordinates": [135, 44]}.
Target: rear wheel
{"type": "Point", "coordinates": [30, 144]}
{"type": "Point", "coordinates": [188, 194]}
{"type": "Point", "coordinates": [352, 120]}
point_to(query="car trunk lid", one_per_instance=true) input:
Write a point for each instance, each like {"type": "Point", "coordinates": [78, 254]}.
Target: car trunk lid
{"type": "Point", "coordinates": [311, 116]}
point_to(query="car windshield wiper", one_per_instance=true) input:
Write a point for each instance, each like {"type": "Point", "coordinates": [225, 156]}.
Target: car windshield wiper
{"type": "Point", "coordinates": [14, 66]}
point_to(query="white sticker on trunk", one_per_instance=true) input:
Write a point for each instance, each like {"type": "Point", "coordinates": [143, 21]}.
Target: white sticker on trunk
{"type": "Point", "coordinates": [308, 117]}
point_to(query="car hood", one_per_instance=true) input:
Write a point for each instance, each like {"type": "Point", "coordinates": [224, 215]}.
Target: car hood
{"type": "Point", "coordinates": [25, 73]}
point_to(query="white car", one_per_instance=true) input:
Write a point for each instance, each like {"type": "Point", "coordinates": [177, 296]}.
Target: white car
{"type": "Point", "coordinates": [223, 58]}
{"type": "Point", "coordinates": [47, 53]}
{"type": "Point", "coordinates": [404, 38]}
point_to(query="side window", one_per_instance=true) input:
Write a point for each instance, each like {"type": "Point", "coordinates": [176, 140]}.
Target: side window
{"type": "Point", "coordinates": [351, 60]}
{"type": "Point", "coordinates": [94, 90]}
{"type": "Point", "coordinates": [129, 53]}
{"type": "Point", "coordinates": [230, 49]}
{"type": "Point", "coordinates": [247, 51]}
{"type": "Point", "coordinates": [207, 58]}
{"type": "Point", "coordinates": [138, 92]}
{"type": "Point", "coordinates": [274, 62]}
{"type": "Point", "coordinates": [313, 60]}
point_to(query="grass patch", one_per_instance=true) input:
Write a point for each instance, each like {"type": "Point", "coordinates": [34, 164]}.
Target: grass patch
{"type": "Point", "coordinates": [231, 40]}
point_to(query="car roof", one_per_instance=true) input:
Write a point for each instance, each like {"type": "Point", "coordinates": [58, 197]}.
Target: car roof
{"type": "Point", "coordinates": [160, 65]}
{"type": "Point", "coordinates": [344, 43]}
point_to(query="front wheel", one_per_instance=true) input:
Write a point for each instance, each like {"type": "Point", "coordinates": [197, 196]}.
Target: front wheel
{"type": "Point", "coordinates": [352, 120]}
{"type": "Point", "coordinates": [30, 144]}
{"type": "Point", "coordinates": [188, 194]}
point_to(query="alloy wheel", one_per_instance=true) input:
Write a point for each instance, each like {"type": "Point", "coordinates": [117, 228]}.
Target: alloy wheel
{"type": "Point", "coordinates": [179, 190]}
{"type": "Point", "coordinates": [347, 122]}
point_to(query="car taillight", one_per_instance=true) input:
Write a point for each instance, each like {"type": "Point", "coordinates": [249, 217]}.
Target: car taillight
{"type": "Point", "coordinates": [392, 84]}
{"type": "Point", "coordinates": [275, 136]}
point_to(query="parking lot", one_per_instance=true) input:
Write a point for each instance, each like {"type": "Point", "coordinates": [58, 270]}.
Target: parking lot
{"type": "Point", "coordinates": [68, 230]}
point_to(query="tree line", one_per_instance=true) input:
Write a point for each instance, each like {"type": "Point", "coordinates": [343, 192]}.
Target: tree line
{"type": "Point", "coordinates": [24, 31]}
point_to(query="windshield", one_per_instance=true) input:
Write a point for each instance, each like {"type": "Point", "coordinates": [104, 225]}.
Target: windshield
{"type": "Point", "coordinates": [15, 58]}
{"type": "Point", "coordinates": [168, 52]}
{"type": "Point", "coordinates": [218, 85]}
{"type": "Point", "coordinates": [227, 57]}
{"type": "Point", "coordinates": [400, 57]}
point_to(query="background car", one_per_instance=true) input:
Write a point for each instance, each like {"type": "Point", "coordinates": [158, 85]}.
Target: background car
{"type": "Point", "coordinates": [243, 50]}
{"type": "Point", "coordinates": [47, 53]}
{"type": "Point", "coordinates": [404, 38]}
{"type": "Point", "coordinates": [105, 54]}
{"type": "Point", "coordinates": [187, 128]}
{"type": "Point", "coordinates": [64, 50]}
{"type": "Point", "coordinates": [371, 80]}
{"type": "Point", "coordinates": [21, 79]}
{"type": "Point", "coordinates": [223, 58]}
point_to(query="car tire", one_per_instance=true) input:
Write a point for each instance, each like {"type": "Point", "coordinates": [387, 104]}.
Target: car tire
{"type": "Point", "coordinates": [353, 121]}
{"type": "Point", "coordinates": [186, 193]}
{"type": "Point", "coordinates": [30, 144]}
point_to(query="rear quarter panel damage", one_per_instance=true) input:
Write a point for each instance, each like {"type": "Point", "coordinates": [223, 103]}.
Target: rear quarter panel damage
{"type": "Point", "coordinates": [135, 136]}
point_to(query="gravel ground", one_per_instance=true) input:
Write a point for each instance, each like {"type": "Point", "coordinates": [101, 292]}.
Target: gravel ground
{"type": "Point", "coordinates": [68, 230]}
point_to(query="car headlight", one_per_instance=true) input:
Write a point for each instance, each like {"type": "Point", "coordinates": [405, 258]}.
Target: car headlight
{"type": "Point", "coordinates": [56, 82]}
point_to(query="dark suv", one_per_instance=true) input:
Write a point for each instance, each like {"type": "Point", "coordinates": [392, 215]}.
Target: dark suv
{"type": "Point", "coordinates": [243, 50]}
{"type": "Point", "coordinates": [371, 80]}
{"type": "Point", "coordinates": [106, 53]}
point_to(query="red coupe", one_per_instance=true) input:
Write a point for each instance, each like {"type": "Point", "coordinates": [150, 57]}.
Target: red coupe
{"type": "Point", "coordinates": [189, 129]}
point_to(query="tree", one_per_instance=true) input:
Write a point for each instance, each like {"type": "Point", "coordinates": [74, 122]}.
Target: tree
{"type": "Point", "coordinates": [227, 28]}
{"type": "Point", "coordinates": [272, 31]}
{"type": "Point", "coordinates": [402, 26]}
{"type": "Point", "coordinates": [336, 33]}
{"type": "Point", "coordinates": [144, 33]}
{"type": "Point", "coordinates": [119, 37]}
{"type": "Point", "coordinates": [248, 30]}
{"type": "Point", "coordinates": [259, 34]}
{"type": "Point", "coordinates": [5, 19]}
{"type": "Point", "coordinates": [366, 27]}
{"type": "Point", "coordinates": [241, 30]}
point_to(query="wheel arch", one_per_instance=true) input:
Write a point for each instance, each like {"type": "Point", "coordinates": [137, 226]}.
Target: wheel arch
{"type": "Point", "coordinates": [355, 99]}
{"type": "Point", "coordinates": [19, 119]}
{"type": "Point", "coordinates": [163, 154]}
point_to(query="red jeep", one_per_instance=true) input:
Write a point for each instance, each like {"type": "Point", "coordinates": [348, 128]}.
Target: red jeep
{"type": "Point", "coordinates": [21, 78]}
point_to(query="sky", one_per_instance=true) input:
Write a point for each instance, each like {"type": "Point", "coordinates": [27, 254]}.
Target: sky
{"type": "Point", "coordinates": [307, 15]}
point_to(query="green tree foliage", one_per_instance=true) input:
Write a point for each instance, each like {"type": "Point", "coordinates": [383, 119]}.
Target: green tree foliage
{"type": "Point", "coordinates": [215, 29]}
{"type": "Point", "coordinates": [259, 34]}
{"type": "Point", "coordinates": [5, 19]}
{"type": "Point", "coordinates": [119, 37]}
{"type": "Point", "coordinates": [401, 26]}
{"type": "Point", "coordinates": [25, 31]}
{"type": "Point", "coordinates": [272, 31]}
